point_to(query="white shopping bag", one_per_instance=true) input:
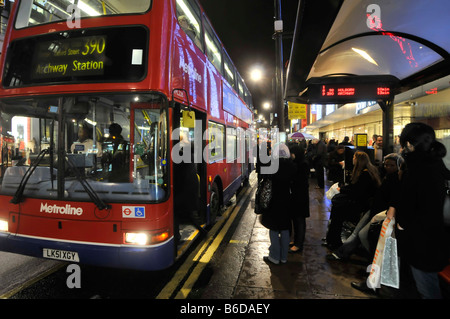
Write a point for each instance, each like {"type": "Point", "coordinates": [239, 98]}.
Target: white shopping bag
{"type": "Point", "coordinates": [332, 191]}
{"type": "Point", "coordinates": [390, 271]}
{"type": "Point", "coordinates": [374, 279]}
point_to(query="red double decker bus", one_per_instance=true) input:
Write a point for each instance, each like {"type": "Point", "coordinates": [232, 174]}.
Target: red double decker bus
{"type": "Point", "coordinates": [98, 96]}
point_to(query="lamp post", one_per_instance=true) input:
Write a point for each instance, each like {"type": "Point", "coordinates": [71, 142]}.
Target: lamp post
{"type": "Point", "coordinates": [279, 102]}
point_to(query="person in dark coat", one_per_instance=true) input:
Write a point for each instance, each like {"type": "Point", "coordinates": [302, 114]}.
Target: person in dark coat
{"type": "Point", "coordinates": [357, 198]}
{"type": "Point", "coordinates": [277, 217]}
{"type": "Point", "coordinates": [319, 159]}
{"type": "Point", "coordinates": [419, 208]}
{"type": "Point", "coordinates": [336, 164]}
{"type": "Point", "coordinates": [384, 195]}
{"type": "Point", "coordinates": [299, 198]}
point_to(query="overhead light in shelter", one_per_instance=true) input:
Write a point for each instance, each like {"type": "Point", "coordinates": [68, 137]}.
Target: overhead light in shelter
{"type": "Point", "coordinates": [365, 55]}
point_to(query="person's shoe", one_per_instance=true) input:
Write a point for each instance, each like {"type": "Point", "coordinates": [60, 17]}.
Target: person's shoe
{"type": "Point", "coordinates": [362, 286]}
{"type": "Point", "coordinates": [333, 256]}
{"type": "Point", "coordinates": [295, 250]}
{"type": "Point", "coordinates": [269, 260]}
{"type": "Point", "coordinates": [331, 246]}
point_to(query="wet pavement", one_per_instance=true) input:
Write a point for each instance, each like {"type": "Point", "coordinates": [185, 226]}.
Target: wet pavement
{"type": "Point", "coordinates": [242, 273]}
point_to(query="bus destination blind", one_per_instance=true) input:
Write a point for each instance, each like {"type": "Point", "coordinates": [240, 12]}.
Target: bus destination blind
{"type": "Point", "coordinates": [83, 56]}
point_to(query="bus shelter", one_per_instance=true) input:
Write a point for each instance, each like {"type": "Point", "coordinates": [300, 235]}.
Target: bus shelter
{"type": "Point", "coordinates": [347, 51]}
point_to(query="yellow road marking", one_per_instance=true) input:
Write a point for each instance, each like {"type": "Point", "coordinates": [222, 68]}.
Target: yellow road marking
{"type": "Point", "coordinates": [171, 286]}
{"type": "Point", "coordinates": [32, 281]}
{"type": "Point", "coordinates": [202, 255]}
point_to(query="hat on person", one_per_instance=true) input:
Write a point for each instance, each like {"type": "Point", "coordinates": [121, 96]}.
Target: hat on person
{"type": "Point", "coordinates": [280, 150]}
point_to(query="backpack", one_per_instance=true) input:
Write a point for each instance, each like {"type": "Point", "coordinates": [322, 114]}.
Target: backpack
{"type": "Point", "coordinates": [263, 195]}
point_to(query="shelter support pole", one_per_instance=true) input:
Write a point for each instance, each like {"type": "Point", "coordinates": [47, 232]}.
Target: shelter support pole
{"type": "Point", "coordinates": [388, 125]}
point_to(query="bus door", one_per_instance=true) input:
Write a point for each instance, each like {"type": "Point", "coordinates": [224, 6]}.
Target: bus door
{"type": "Point", "coordinates": [189, 169]}
{"type": "Point", "coordinates": [242, 153]}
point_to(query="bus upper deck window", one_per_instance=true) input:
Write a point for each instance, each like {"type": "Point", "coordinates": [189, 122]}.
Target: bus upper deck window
{"type": "Point", "coordinates": [188, 15]}
{"type": "Point", "coordinates": [37, 12]}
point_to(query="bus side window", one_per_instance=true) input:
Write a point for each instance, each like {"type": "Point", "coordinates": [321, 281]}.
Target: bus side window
{"type": "Point", "coordinates": [213, 47]}
{"type": "Point", "coordinates": [188, 15]}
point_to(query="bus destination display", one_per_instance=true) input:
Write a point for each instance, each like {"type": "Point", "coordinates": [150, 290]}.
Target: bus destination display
{"type": "Point", "coordinates": [113, 54]}
{"type": "Point", "coordinates": [83, 56]}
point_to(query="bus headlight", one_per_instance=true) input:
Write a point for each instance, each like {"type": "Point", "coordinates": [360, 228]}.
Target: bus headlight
{"type": "Point", "coordinates": [3, 225]}
{"type": "Point", "coordinates": [143, 238]}
{"type": "Point", "coordinates": [136, 238]}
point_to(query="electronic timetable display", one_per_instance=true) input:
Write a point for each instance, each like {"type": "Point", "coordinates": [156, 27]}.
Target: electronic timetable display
{"type": "Point", "coordinates": [348, 89]}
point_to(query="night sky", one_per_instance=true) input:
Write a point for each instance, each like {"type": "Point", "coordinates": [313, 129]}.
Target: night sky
{"type": "Point", "coordinates": [245, 28]}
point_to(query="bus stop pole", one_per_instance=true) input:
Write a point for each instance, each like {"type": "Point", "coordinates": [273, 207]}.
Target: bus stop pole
{"type": "Point", "coordinates": [388, 125]}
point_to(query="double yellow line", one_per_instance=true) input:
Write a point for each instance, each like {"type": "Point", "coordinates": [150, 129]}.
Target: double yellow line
{"type": "Point", "coordinates": [200, 257]}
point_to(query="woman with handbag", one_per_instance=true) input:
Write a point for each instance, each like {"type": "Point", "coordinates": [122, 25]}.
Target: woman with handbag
{"type": "Point", "coordinates": [277, 216]}
{"type": "Point", "coordinates": [419, 209]}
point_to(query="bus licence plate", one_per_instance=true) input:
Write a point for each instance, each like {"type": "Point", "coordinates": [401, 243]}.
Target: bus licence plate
{"type": "Point", "coordinates": [60, 254]}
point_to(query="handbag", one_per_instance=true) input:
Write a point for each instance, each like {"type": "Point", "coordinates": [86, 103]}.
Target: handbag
{"type": "Point", "coordinates": [390, 273]}
{"type": "Point", "coordinates": [263, 195]}
{"type": "Point", "coordinates": [341, 200]}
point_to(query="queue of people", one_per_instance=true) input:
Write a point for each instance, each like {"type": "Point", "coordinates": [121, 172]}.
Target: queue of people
{"type": "Point", "coordinates": [408, 187]}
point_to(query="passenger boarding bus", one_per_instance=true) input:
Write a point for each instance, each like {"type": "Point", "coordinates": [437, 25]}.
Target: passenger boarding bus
{"type": "Point", "coordinates": [97, 96]}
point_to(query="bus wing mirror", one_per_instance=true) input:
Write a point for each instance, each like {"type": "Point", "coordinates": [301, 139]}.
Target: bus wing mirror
{"type": "Point", "coordinates": [180, 95]}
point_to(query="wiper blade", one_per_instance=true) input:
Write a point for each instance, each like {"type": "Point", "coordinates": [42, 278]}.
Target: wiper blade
{"type": "Point", "coordinates": [17, 198]}
{"type": "Point", "coordinates": [87, 187]}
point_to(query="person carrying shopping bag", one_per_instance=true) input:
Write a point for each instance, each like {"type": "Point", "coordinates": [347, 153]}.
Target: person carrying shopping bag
{"type": "Point", "coordinates": [419, 209]}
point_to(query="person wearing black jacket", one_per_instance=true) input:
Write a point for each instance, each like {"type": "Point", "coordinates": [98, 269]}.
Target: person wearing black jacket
{"type": "Point", "coordinates": [336, 164]}
{"type": "Point", "coordinates": [277, 217]}
{"type": "Point", "coordinates": [419, 209]}
{"type": "Point", "coordinates": [299, 198]}
{"type": "Point", "coordinates": [384, 195]}
{"type": "Point", "coordinates": [356, 198]}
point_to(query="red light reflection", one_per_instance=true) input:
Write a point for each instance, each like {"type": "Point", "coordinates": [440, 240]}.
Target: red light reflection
{"type": "Point", "coordinates": [432, 91]}
{"type": "Point", "coordinates": [405, 46]}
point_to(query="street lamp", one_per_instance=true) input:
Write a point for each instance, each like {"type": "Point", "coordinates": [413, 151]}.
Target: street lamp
{"type": "Point", "coordinates": [256, 74]}
{"type": "Point", "coordinates": [266, 105]}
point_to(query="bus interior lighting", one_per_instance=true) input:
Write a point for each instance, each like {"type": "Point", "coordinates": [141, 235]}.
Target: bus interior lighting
{"type": "Point", "coordinates": [3, 225]}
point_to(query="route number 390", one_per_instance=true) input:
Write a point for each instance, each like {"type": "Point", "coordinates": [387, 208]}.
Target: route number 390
{"type": "Point", "coordinates": [94, 45]}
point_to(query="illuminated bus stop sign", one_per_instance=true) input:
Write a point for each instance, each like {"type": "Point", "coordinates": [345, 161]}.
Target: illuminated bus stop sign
{"type": "Point", "coordinates": [350, 89]}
